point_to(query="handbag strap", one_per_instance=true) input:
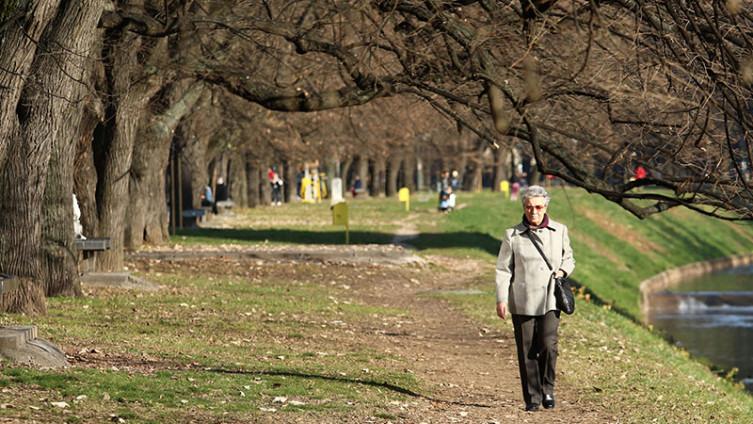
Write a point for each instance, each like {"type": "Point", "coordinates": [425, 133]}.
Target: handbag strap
{"type": "Point", "coordinates": [531, 237]}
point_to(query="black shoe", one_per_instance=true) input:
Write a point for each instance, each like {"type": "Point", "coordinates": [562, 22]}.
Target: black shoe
{"type": "Point", "coordinates": [531, 407]}
{"type": "Point", "coordinates": [548, 401]}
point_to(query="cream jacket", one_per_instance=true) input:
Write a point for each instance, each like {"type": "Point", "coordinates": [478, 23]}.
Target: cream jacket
{"type": "Point", "coordinates": [523, 279]}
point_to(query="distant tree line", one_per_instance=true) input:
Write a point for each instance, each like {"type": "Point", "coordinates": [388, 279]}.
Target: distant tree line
{"type": "Point", "coordinates": [97, 96]}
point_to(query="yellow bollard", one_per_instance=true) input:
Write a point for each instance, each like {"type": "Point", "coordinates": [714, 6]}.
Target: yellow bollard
{"type": "Point", "coordinates": [404, 196]}
{"type": "Point", "coordinates": [340, 217]}
{"type": "Point", "coordinates": [504, 187]}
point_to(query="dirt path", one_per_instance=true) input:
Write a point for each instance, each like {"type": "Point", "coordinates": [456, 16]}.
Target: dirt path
{"type": "Point", "coordinates": [469, 374]}
{"type": "Point", "coordinates": [470, 371]}
{"type": "Point", "coordinates": [406, 232]}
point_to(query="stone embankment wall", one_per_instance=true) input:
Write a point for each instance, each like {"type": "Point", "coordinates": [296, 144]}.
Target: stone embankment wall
{"type": "Point", "coordinates": [672, 277]}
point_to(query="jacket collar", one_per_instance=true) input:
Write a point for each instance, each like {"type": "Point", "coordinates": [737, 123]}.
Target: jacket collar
{"type": "Point", "coordinates": [522, 227]}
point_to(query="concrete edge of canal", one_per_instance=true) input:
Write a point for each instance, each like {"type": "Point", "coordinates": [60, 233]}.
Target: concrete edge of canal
{"type": "Point", "coordinates": [674, 276]}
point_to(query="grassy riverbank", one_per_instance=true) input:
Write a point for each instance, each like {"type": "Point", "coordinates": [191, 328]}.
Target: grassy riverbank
{"type": "Point", "coordinates": [234, 340]}
{"type": "Point", "coordinates": [613, 360]}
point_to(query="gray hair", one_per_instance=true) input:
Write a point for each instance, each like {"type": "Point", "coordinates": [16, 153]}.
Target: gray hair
{"type": "Point", "coordinates": [535, 191]}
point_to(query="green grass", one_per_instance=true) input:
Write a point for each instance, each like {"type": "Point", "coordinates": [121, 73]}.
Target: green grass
{"type": "Point", "coordinates": [371, 221]}
{"type": "Point", "coordinates": [215, 344]}
{"type": "Point", "coordinates": [614, 250]}
{"type": "Point", "coordinates": [609, 358]}
{"type": "Point", "coordinates": [221, 344]}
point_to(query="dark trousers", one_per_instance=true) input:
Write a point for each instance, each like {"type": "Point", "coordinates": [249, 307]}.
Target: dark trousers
{"type": "Point", "coordinates": [536, 339]}
{"type": "Point", "coordinates": [276, 193]}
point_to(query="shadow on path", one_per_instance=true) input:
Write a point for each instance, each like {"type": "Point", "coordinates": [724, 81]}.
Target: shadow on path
{"type": "Point", "coordinates": [461, 239]}
{"type": "Point", "coordinates": [372, 383]}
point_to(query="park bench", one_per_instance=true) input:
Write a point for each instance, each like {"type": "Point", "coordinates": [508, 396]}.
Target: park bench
{"type": "Point", "coordinates": [88, 249]}
{"type": "Point", "coordinates": [207, 212]}
{"type": "Point", "coordinates": [7, 283]}
{"type": "Point", "coordinates": [191, 217]}
{"type": "Point", "coordinates": [224, 204]}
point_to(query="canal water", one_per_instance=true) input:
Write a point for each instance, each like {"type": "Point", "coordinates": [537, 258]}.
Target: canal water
{"type": "Point", "coordinates": [711, 317]}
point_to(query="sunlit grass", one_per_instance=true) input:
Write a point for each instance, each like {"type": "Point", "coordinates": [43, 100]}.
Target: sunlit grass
{"type": "Point", "coordinates": [224, 343]}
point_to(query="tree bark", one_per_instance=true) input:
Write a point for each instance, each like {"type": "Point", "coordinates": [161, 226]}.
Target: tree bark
{"type": "Point", "coordinates": [409, 171]}
{"type": "Point", "coordinates": [378, 181]}
{"type": "Point", "coordinates": [238, 181]}
{"type": "Point", "coordinates": [123, 114]}
{"type": "Point", "coordinates": [252, 173]}
{"type": "Point", "coordinates": [85, 173]}
{"type": "Point", "coordinates": [146, 218]}
{"type": "Point", "coordinates": [476, 181]}
{"type": "Point", "coordinates": [193, 152]}
{"type": "Point", "coordinates": [344, 173]}
{"type": "Point", "coordinates": [363, 172]}
{"type": "Point", "coordinates": [393, 170]}
{"type": "Point", "coordinates": [502, 171]}
{"type": "Point", "coordinates": [37, 177]}
{"type": "Point", "coordinates": [291, 170]}
{"type": "Point", "coordinates": [20, 174]}
{"type": "Point", "coordinates": [18, 47]}
{"type": "Point", "coordinates": [266, 190]}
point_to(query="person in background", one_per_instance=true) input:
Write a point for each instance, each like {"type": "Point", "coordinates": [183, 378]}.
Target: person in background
{"type": "Point", "coordinates": [221, 194]}
{"type": "Point", "coordinates": [640, 173]}
{"type": "Point", "coordinates": [454, 180]}
{"type": "Point", "coordinates": [525, 290]}
{"type": "Point", "coordinates": [514, 187]}
{"type": "Point", "coordinates": [207, 199]}
{"type": "Point", "coordinates": [357, 187]}
{"type": "Point", "coordinates": [275, 183]}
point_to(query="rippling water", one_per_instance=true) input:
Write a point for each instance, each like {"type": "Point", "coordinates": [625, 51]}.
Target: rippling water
{"type": "Point", "coordinates": [711, 317]}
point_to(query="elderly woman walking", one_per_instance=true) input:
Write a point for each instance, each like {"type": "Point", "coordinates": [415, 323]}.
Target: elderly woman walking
{"type": "Point", "coordinates": [525, 290]}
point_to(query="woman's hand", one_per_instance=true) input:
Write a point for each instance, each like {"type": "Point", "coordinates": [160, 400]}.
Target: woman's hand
{"type": "Point", "coordinates": [559, 274]}
{"type": "Point", "coordinates": [502, 310]}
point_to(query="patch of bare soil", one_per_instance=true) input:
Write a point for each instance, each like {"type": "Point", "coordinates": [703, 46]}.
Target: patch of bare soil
{"type": "Point", "coordinates": [469, 374]}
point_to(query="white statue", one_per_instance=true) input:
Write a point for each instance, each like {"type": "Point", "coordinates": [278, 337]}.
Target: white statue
{"type": "Point", "coordinates": [77, 229]}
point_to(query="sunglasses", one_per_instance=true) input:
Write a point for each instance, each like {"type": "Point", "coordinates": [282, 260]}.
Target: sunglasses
{"type": "Point", "coordinates": [537, 207]}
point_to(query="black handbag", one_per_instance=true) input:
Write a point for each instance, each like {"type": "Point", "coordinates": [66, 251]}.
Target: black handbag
{"type": "Point", "coordinates": [563, 293]}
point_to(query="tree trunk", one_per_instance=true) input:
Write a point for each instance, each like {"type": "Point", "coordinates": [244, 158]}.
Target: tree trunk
{"type": "Point", "coordinates": [476, 181]}
{"type": "Point", "coordinates": [252, 173]}
{"type": "Point", "coordinates": [502, 160]}
{"type": "Point", "coordinates": [345, 172]}
{"type": "Point", "coordinates": [266, 189]}
{"type": "Point", "coordinates": [363, 173]}
{"type": "Point", "coordinates": [18, 47]}
{"type": "Point", "coordinates": [423, 168]}
{"type": "Point", "coordinates": [115, 152]}
{"type": "Point", "coordinates": [146, 214]}
{"type": "Point", "coordinates": [409, 171]}
{"type": "Point", "coordinates": [393, 170]}
{"type": "Point", "coordinates": [238, 181]}
{"type": "Point", "coordinates": [332, 173]}
{"type": "Point", "coordinates": [20, 226]}
{"type": "Point", "coordinates": [378, 181]}
{"type": "Point", "coordinates": [192, 150]}
{"type": "Point", "coordinates": [460, 165]}
{"type": "Point", "coordinates": [37, 177]}
{"type": "Point", "coordinates": [85, 174]}
{"type": "Point", "coordinates": [291, 170]}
